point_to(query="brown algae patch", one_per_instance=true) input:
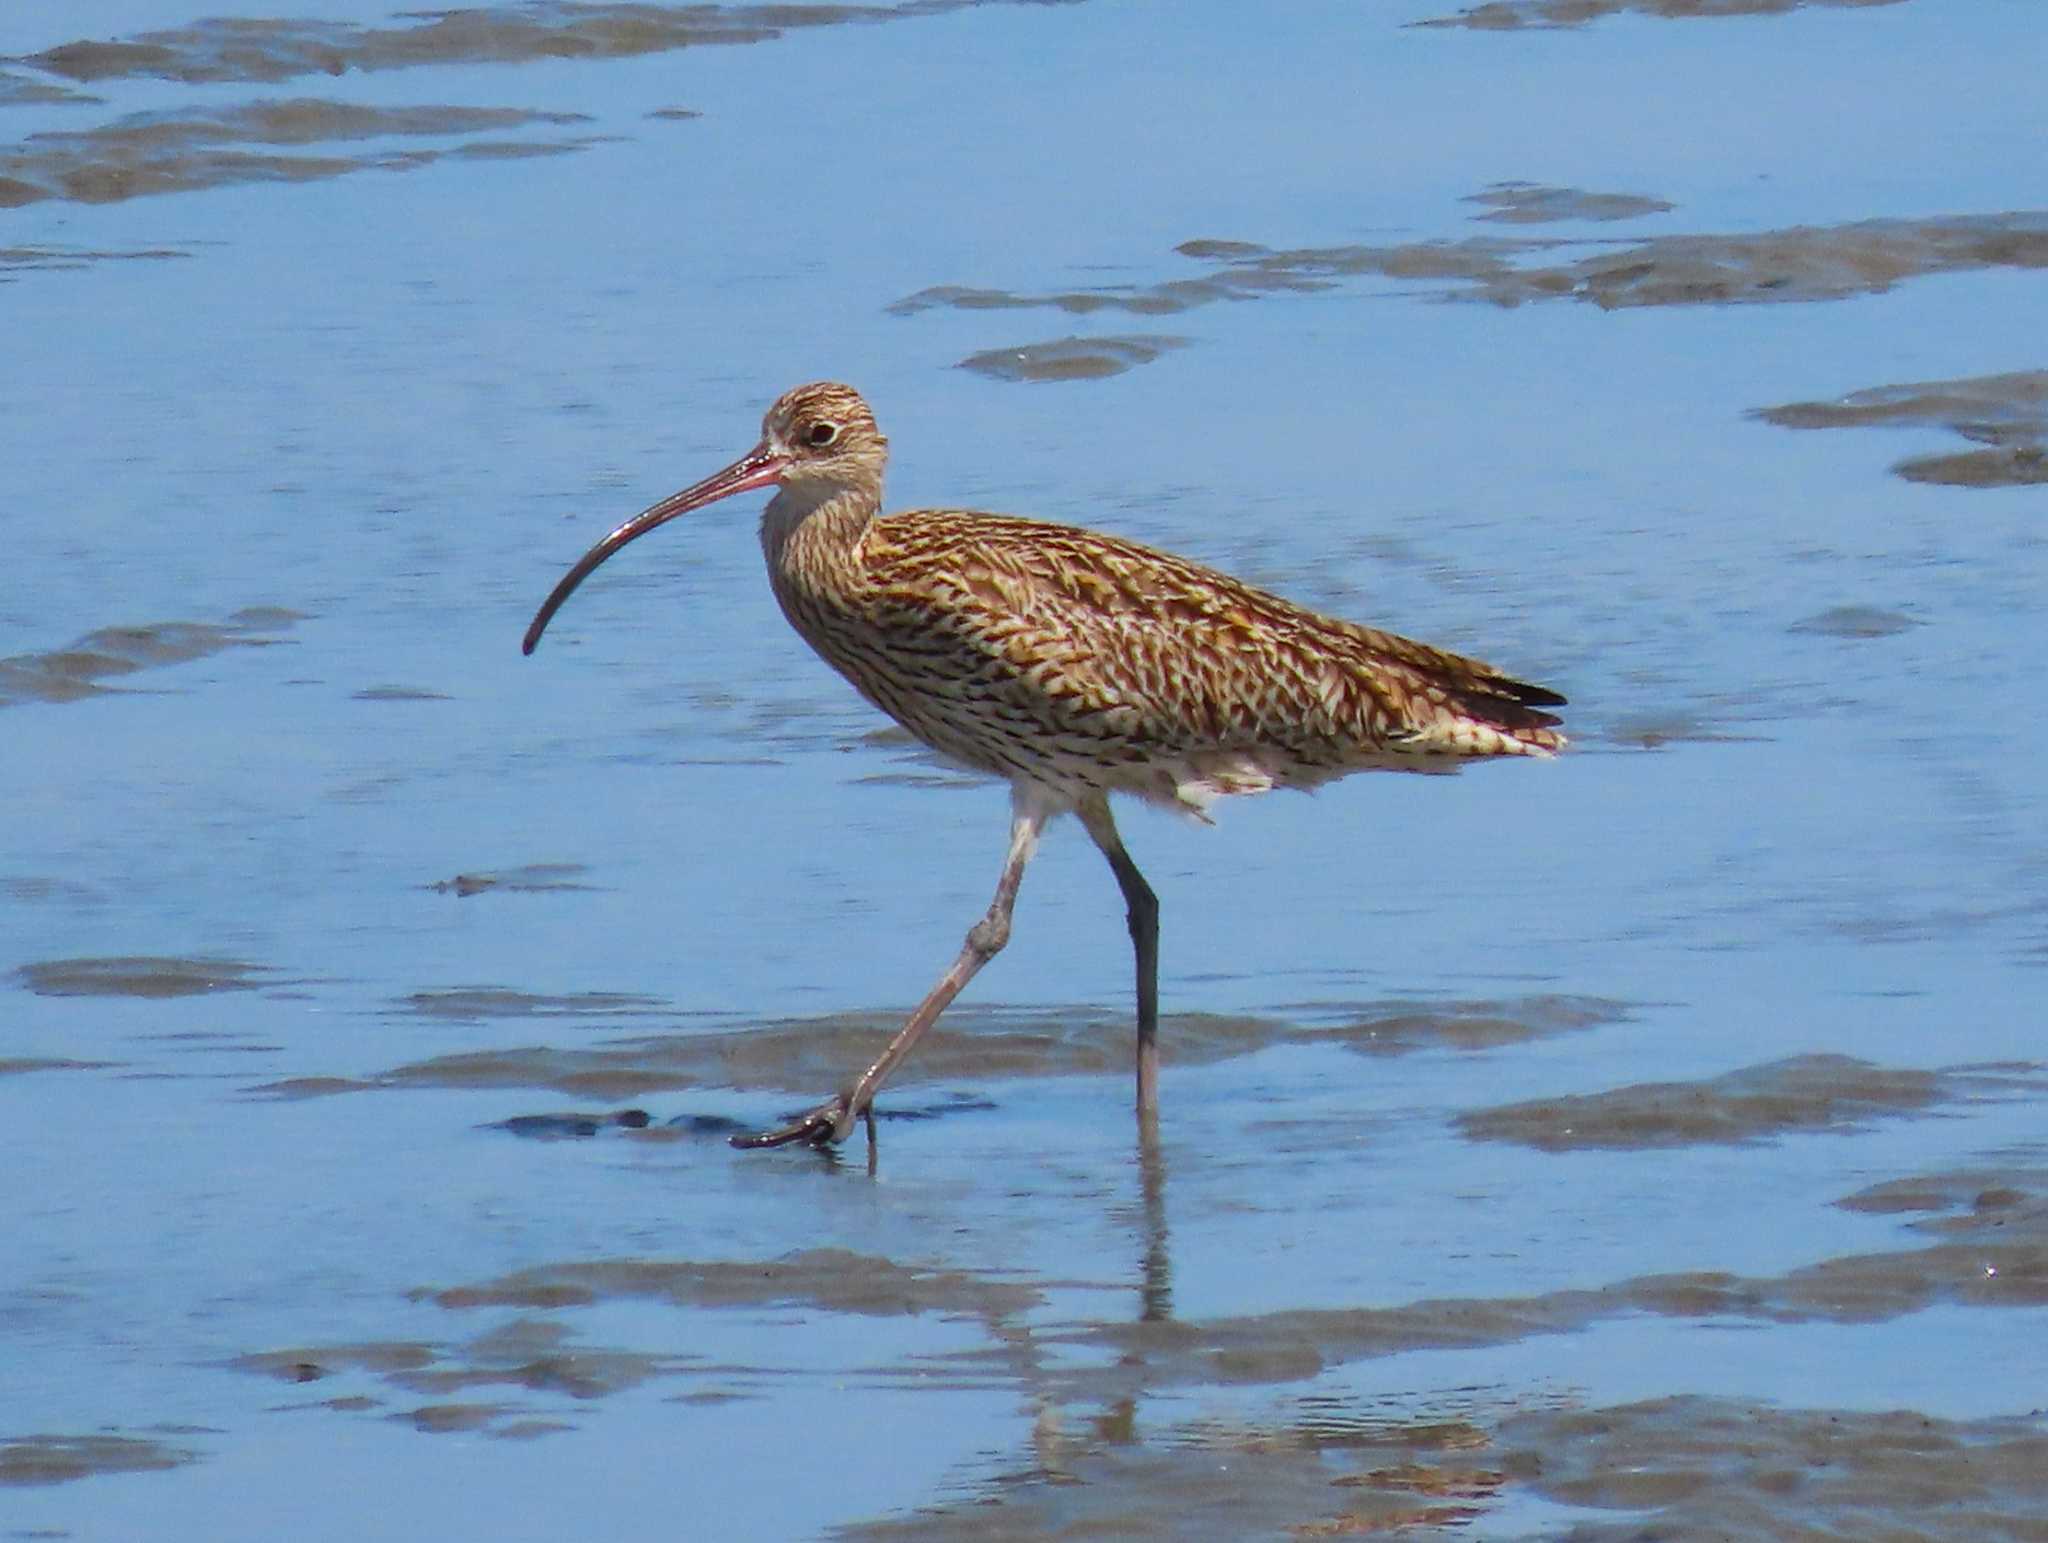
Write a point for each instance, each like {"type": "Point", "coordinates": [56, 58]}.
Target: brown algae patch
{"type": "Point", "coordinates": [1530, 203]}
{"type": "Point", "coordinates": [2008, 414]}
{"type": "Point", "coordinates": [45, 1459]}
{"type": "Point", "coordinates": [71, 673]}
{"type": "Point", "coordinates": [1836, 1093]}
{"type": "Point", "coordinates": [139, 975]}
{"type": "Point", "coordinates": [1071, 358]}
{"type": "Point", "coordinates": [1514, 15]}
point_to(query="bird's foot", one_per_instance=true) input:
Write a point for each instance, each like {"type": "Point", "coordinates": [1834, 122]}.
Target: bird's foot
{"type": "Point", "coordinates": [827, 1125]}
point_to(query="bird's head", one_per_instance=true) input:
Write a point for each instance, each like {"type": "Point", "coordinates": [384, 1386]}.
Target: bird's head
{"type": "Point", "coordinates": [817, 442]}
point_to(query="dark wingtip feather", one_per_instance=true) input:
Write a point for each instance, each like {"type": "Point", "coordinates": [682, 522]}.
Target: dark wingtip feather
{"type": "Point", "coordinates": [1512, 704]}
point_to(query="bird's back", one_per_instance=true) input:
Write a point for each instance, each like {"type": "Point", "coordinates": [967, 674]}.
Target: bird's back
{"type": "Point", "coordinates": [1093, 664]}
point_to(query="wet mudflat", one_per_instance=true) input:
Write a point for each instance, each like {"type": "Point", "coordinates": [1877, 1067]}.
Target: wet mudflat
{"type": "Point", "coordinates": [1650, 1142]}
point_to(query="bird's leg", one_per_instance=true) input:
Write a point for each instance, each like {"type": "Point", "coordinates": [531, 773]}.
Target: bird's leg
{"type": "Point", "coordinates": [833, 1119]}
{"type": "Point", "coordinates": [1143, 915]}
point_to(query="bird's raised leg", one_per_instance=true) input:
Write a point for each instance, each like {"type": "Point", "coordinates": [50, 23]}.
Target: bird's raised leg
{"type": "Point", "coordinates": [833, 1119]}
{"type": "Point", "coordinates": [1143, 915]}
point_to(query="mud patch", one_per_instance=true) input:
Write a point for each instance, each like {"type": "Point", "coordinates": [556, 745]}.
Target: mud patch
{"type": "Point", "coordinates": [2006, 413]}
{"type": "Point", "coordinates": [1071, 358]}
{"type": "Point", "coordinates": [1315, 1471]}
{"type": "Point", "coordinates": [175, 152]}
{"type": "Point", "coordinates": [1834, 1093]}
{"type": "Point", "coordinates": [1529, 203]}
{"type": "Point", "coordinates": [475, 1004]}
{"type": "Point", "coordinates": [42, 259]}
{"type": "Point", "coordinates": [399, 694]}
{"type": "Point", "coordinates": [17, 90]}
{"type": "Point", "coordinates": [73, 673]}
{"type": "Point", "coordinates": [1796, 264]}
{"type": "Point", "coordinates": [538, 1359]}
{"type": "Point", "coordinates": [1705, 1467]}
{"type": "Point", "coordinates": [1514, 15]}
{"type": "Point", "coordinates": [1986, 1257]}
{"type": "Point", "coordinates": [1855, 621]}
{"type": "Point", "coordinates": [235, 49]}
{"type": "Point", "coordinates": [140, 975]}
{"type": "Point", "coordinates": [572, 1126]}
{"type": "Point", "coordinates": [974, 1046]}
{"type": "Point", "coordinates": [60, 1459]}
{"type": "Point", "coordinates": [15, 1066]}
{"type": "Point", "coordinates": [1684, 1467]}
{"type": "Point", "coordinates": [831, 1280]}
{"type": "Point", "coordinates": [532, 879]}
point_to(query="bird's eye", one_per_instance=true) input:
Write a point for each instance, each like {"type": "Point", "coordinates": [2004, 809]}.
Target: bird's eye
{"type": "Point", "coordinates": [821, 435]}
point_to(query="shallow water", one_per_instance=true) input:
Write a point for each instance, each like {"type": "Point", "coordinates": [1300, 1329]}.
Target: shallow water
{"type": "Point", "coordinates": [1651, 1138]}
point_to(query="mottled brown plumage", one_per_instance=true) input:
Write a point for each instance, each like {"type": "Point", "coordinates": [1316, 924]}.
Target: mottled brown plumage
{"type": "Point", "coordinates": [1076, 665]}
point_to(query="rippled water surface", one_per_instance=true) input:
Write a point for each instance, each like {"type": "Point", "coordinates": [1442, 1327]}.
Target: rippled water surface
{"type": "Point", "coordinates": [1649, 1139]}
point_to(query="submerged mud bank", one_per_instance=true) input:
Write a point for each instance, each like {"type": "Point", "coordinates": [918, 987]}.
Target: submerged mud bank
{"type": "Point", "coordinates": [1514, 15]}
{"type": "Point", "coordinates": [61, 1459]}
{"type": "Point", "coordinates": [1835, 1093]}
{"type": "Point", "coordinates": [149, 154]}
{"type": "Point", "coordinates": [1104, 1454]}
{"type": "Point", "coordinates": [229, 49]}
{"type": "Point", "coordinates": [1793, 264]}
{"type": "Point", "coordinates": [2007, 414]}
{"type": "Point", "coordinates": [979, 1044]}
{"type": "Point", "coordinates": [83, 668]}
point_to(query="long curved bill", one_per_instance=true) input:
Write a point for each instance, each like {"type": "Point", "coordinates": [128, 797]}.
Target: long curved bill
{"type": "Point", "coordinates": [758, 468]}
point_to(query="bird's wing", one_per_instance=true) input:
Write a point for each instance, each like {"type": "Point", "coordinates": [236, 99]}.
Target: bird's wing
{"type": "Point", "coordinates": [1104, 635]}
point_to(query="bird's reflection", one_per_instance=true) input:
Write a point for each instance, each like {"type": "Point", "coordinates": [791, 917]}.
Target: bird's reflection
{"type": "Point", "coordinates": [1117, 1424]}
{"type": "Point", "coordinates": [1155, 1278]}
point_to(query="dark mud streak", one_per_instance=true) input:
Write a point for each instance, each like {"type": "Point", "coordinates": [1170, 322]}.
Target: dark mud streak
{"type": "Point", "coordinates": [73, 673]}
{"type": "Point", "coordinates": [1834, 1093]}
{"type": "Point", "coordinates": [16, 1065]}
{"type": "Point", "coordinates": [1517, 15]}
{"type": "Point", "coordinates": [48, 1459]}
{"type": "Point", "coordinates": [51, 259]}
{"type": "Point", "coordinates": [2006, 413]}
{"type": "Point", "coordinates": [978, 1047]}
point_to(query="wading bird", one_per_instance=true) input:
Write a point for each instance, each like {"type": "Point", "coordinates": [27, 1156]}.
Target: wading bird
{"type": "Point", "coordinates": [1073, 665]}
